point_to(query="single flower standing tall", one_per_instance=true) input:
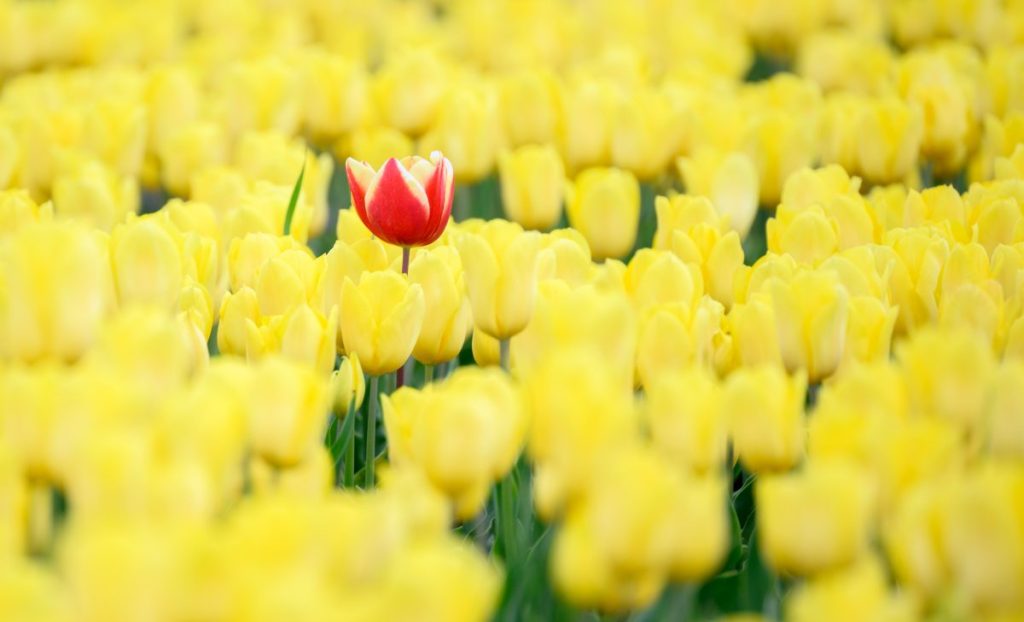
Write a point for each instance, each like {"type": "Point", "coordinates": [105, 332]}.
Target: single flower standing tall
{"type": "Point", "coordinates": [407, 203]}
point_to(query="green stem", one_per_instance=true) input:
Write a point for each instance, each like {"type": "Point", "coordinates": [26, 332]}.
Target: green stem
{"type": "Point", "coordinates": [505, 532]}
{"type": "Point", "coordinates": [370, 435]}
{"type": "Point", "coordinates": [349, 477]}
{"type": "Point", "coordinates": [504, 353]}
{"type": "Point", "coordinates": [428, 374]}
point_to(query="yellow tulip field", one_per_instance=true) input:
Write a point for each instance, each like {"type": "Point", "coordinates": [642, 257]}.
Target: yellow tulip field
{"type": "Point", "coordinates": [511, 310]}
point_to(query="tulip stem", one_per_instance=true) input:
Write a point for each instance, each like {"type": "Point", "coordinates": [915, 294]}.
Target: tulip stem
{"type": "Point", "coordinates": [370, 435]}
{"type": "Point", "coordinates": [349, 477]}
{"type": "Point", "coordinates": [428, 374]}
{"type": "Point", "coordinates": [400, 374]}
{"type": "Point", "coordinates": [504, 353]}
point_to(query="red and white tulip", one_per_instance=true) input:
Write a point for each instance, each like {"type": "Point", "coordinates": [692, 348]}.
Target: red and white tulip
{"type": "Point", "coordinates": [407, 202]}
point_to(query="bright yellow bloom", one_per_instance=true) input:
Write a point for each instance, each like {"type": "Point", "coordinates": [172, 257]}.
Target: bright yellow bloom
{"type": "Point", "coordinates": [948, 374]}
{"type": "Point", "coordinates": [449, 319]}
{"type": "Point", "coordinates": [811, 317]}
{"type": "Point", "coordinates": [500, 263]}
{"type": "Point", "coordinates": [287, 405]}
{"type": "Point", "coordinates": [728, 179]}
{"type": "Point", "coordinates": [655, 277]}
{"type": "Point", "coordinates": [299, 334]}
{"type": "Point", "coordinates": [686, 420]}
{"type": "Point", "coordinates": [579, 410]}
{"type": "Point", "coordinates": [841, 60]}
{"type": "Point", "coordinates": [532, 186]}
{"type": "Point", "coordinates": [467, 131]}
{"type": "Point", "coordinates": [673, 336]}
{"type": "Point", "coordinates": [530, 107]}
{"type": "Point", "coordinates": [408, 89]}
{"type": "Point", "coordinates": [55, 291]}
{"type": "Point", "coordinates": [93, 193]}
{"type": "Point", "coordinates": [645, 132]}
{"type": "Point", "coordinates": [766, 417]}
{"type": "Point", "coordinates": [584, 133]}
{"type": "Point", "coordinates": [484, 406]}
{"type": "Point", "coordinates": [815, 520]}
{"type": "Point", "coordinates": [335, 88]}
{"type": "Point", "coordinates": [198, 146]}
{"type": "Point", "coordinates": [860, 592]}
{"type": "Point", "coordinates": [348, 384]}
{"type": "Point", "coordinates": [604, 205]}
{"type": "Point", "coordinates": [566, 257]}
{"type": "Point", "coordinates": [692, 229]}
{"type": "Point", "coordinates": [381, 318]}
{"type": "Point", "coordinates": [375, 144]}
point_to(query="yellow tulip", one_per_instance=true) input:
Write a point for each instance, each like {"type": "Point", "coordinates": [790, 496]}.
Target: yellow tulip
{"type": "Point", "coordinates": [815, 520]}
{"type": "Point", "coordinates": [381, 316]}
{"type": "Point", "coordinates": [288, 405]}
{"type": "Point", "coordinates": [755, 338]}
{"type": "Point", "coordinates": [859, 592]}
{"type": "Point", "coordinates": [811, 318]}
{"type": "Point", "coordinates": [584, 132]}
{"type": "Point", "coordinates": [566, 257]}
{"type": "Point", "coordinates": [288, 280]}
{"type": "Point", "coordinates": [530, 107]}
{"type": "Point", "coordinates": [673, 336]}
{"type": "Point", "coordinates": [687, 424]}
{"type": "Point", "coordinates": [484, 404]}
{"type": "Point", "coordinates": [247, 256]}
{"type": "Point", "coordinates": [273, 157]}
{"type": "Point", "coordinates": [439, 273]}
{"type": "Point", "coordinates": [780, 142]}
{"type": "Point", "coordinates": [299, 334]}
{"type": "Point", "coordinates": [916, 265]}
{"type": "Point", "coordinates": [348, 384]}
{"type": "Point", "coordinates": [766, 417]}
{"type": "Point", "coordinates": [147, 266]}
{"type": "Point", "coordinates": [948, 375]}
{"type": "Point", "coordinates": [869, 330]}
{"type": "Point", "coordinates": [645, 132]}
{"type": "Point", "coordinates": [312, 477]}
{"type": "Point", "coordinates": [728, 179]}
{"type": "Point", "coordinates": [655, 277]}
{"type": "Point", "coordinates": [846, 61]}
{"type": "Point", "coordinates": [532, 185]}
{"type": "Point", "coordinates": [408, 89]}
{"type": "Point", "coordinates": [336, 89]}
{"type": "Point", "coordinates": [604, 205]}
{"type": "Point", "coordinates": [579, 410]}
{"type": "Point", "coordinates": [500, 263]}
{"type": "Point", "coordinates": [55, 291]}
{"type": "Point", "coordinates": [889, 132]}
{"type": "Point", "coordinates": [93, 193]}
{"type": "Point", "coordinates": [584, 317]}
{"type": "Point", "coordinates": [691, 228]}
{"type": "Point", "coordinates": [467, 131]}
{"type": "Point", "coordinates": [198, 146]}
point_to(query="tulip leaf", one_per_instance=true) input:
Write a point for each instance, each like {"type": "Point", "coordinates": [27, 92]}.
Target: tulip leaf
{"type": "Point", "coordinates": [344, 436]}
{"type": "Point", "coordinates": [294, 200]}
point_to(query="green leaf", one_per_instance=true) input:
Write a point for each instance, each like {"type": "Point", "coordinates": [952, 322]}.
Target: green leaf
{"type": "Point", "coordinates": [294, 200]}
{"type": "Point", "coordinates": [344, 437]}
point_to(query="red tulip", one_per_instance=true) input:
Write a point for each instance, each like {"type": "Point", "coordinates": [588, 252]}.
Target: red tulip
{"type": "Point", "coordinates": [407, 202]}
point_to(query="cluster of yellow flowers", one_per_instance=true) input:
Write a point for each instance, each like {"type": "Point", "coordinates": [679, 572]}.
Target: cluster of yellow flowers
{"type": "Point", "coordinates": [180, 370]}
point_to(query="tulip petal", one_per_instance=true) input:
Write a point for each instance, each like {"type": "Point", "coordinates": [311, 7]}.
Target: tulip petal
{"type": "Point", "coordinates": [440, 192]}
{"type": "Point", "coordinates": [397, 206]}
{"type": "Point", "coordinates": [360, 176]}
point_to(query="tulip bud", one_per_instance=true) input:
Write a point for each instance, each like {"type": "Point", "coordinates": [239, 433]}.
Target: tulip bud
{"type": "Point", "coordinates": [645, 133]}
{"type": "Point", "coordinates": [766, 417]}
{"type": "Point", "coordinates": [381, 318]}
{"type": "Point", "coordinates": [729, 180]}
{"type": "Point", "coordinates": [407, 202]}
{"type": "Point", "coordinates": [439, 273]}
{"type": "Point", "coordinates": [604, 205]}
{"type": "Point", "coordinates": [146, 263]}
{"type": "Point", "coordinates": [485, 406]}
{"type": "Point", "coordinates": [56, 291]}
{"type": "Point", "coordinates": [529, 104]}
{"type": "Point", "coordinates": [348, 384]}
{"type": "Point", "coordinates": [198, 146]}
{"type": "Point", "coordinates": [815, 520]}
{"type": "Point", "coordinates": [468, 130]}
{"type": "Point", "coordinates": [408, 89]}
{"type": "Point", "coordinates": [688, 426]}
{"type": "Point", "coordinates": [288, 405]}
{"type": "Point", "coordinates": [811, 317]}
{"type": "Point", "coordinates": [95, 194]}
{"type": "Point", "coordinates": [532, 186]}
{"type": "Point", "coordinates": [500, 263]}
